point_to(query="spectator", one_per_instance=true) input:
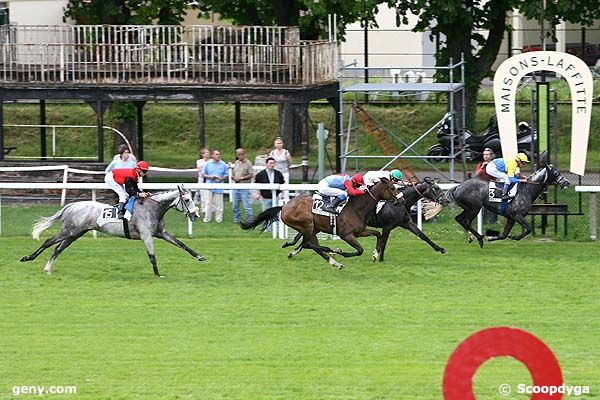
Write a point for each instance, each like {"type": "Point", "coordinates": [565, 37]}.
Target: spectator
{"type": "Point", "coordinates": [242, 173]}
{"type": "Point", "coordinates": [122, 160]}
{"type": "Point", "coordinates": [268, 175]}
{"type": "Point", "coordinates": [202, 194]}
{"type": "Point", "coordinates": [283, 160]}
{"type": "Point", "coordinates": [488, 156]}
{"type": "Point", "coordinates": [215, 171]}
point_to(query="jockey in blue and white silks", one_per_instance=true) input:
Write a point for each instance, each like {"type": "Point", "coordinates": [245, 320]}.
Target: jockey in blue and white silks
{"type": "Point", "coordinates": [340, 186]}
{"type": "Point", "coordinates": [505, 171]}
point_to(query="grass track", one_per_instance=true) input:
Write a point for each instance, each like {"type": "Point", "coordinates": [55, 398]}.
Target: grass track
{"type": "Point", "coordinates": [250, 324]}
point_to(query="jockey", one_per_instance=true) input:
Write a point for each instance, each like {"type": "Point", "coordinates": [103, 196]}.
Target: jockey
{"type": "Point", "coordinates": [372, 177]}
{"type": "Point", "coordinates": [124, 182]}
{"type": "Point", "coordinates": [340, 186]}
{"type": "Point", "coordinates": [506, 171]}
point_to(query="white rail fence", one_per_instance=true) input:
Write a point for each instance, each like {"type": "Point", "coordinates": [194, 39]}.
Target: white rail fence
{"type": "Point", "coordinates": [280, 230]}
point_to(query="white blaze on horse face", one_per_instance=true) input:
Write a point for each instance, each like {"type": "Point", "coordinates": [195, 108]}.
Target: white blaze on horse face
{"type": "Point", "coordinates": [581, 83]}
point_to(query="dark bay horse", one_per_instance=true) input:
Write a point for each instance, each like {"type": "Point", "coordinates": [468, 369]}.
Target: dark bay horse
{"type": "Point", "coordinates": [394, 214]}
{"type": "Point", "coordinates": [146, 222]}
{"type": "Point", "coordinates": [351, 223]}
{"type": "Point", "coordinates": [473, 194]}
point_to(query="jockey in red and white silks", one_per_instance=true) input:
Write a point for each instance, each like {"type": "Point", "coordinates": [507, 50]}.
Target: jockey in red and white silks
{"type": "Point", "coordinates": [340, 186]}
{"type": "Point", "coordinates": [124, 182]}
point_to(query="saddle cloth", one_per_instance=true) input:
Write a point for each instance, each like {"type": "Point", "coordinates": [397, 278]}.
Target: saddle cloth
{"type": "Point", "coordinates": [319, 202]}
{"type": "Point", "coordinates": [495, 192]}
{"type": "Point", "coordinates": [109, 214]}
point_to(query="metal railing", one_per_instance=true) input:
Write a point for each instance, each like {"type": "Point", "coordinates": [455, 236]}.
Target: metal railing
{"type": "Point", "coordinates": [159, 54]}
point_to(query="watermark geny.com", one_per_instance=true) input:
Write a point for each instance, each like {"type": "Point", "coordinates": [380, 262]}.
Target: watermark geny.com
{"type": "Point", "coordinates": [43, 390]}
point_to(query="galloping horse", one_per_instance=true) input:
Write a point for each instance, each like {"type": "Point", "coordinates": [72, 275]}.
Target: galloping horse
{"type": "Point", "coordinates": [147, 221]}
{"type": "Point", "coordinates": [473, 194]}
{"type": "Point", "coordinates": [351, 223]}
{"type": "Point", "coordinates": [394, 214]}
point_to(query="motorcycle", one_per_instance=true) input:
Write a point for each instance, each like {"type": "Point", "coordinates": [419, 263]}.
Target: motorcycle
{"type": "Point", "coordinates": [475, 144]}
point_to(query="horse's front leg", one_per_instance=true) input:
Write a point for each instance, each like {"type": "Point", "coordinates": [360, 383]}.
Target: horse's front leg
{"type": "Point", "coordinates": [149, 243]}
{"type": "Point", "coordinates": [411, 226]}
{"type": "Point", "coordinates": [167, 237]}
{"type": "Point", "coordinates": [352, 241]}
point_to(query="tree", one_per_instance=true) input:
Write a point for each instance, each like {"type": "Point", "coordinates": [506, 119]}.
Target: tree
{"type": "Point", "coordinates": [128, 12]}
{"type": "Point", "coordinates": [309, 15]}
{"type": "Point", "coordinates": [460, 27]}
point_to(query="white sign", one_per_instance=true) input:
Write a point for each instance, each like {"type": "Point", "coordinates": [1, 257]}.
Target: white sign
{"type": "Point", "coordinates": [581, 83]}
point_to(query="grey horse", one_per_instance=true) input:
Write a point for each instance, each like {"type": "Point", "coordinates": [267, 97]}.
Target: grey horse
{"type": "Point", "coordinates": [146, 222]}
{"type": "Point", "coordinates": [473, 194]}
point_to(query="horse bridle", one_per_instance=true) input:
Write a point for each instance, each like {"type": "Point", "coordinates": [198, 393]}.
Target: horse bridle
{"type": "Point", "coordinates": [186, 210]}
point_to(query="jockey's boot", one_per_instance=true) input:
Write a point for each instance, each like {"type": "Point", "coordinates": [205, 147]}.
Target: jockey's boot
{"type": "Point", "coordinates": [504, 204]}
{"type": "Point", "coordinates": [331, 206]}
{"type": "Point", "coordinates": [121, 211]}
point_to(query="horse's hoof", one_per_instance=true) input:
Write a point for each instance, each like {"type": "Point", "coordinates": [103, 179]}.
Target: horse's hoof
{"type": "Point", "coordinates": [480, 243]}
{"type": "Point", "coordinates": [337, 250]}
{"type": "Point", "coordinates": [200, 258]}
{"type": "Point", "coordinates": [470, 239]}
{"type": "Point", "coordinates": [160, 276]}
{"type": "Point", "coordinates": [24, 259]}
{"type": "Point", "coordinates": [443, 251]}
{"type": "Point", "coordinates": [340, 267]}
{"type": "Point", "coordinates": [291, 254]}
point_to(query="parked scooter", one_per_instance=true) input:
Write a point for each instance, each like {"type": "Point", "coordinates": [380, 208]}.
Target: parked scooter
{"type": "Point", "coordinates": [474, 144]}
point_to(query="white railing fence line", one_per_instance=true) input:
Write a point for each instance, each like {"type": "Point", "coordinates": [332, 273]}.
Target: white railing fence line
{"type": "Point", "coordinates": [94, 187]}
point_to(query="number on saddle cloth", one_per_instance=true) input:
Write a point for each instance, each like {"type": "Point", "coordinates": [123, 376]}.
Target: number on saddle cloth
{"type": "Point", "coordinates": [495, 191]}
{"type": "Point", "coordinates": [319, 201]}
{"type": "Point", "coordinates": [109, 214]}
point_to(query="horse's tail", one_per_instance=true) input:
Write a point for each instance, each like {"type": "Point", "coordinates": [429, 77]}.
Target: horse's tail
{"type": "Point", "coordinates": [45, 222]}
{"type": "Point", "coordinates": [268, 217]}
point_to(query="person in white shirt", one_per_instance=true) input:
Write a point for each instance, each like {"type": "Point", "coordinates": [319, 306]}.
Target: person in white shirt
{"type": "Point", "coordinates": [203, 194]}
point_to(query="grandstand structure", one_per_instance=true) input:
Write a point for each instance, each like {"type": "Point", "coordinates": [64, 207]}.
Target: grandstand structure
{"type": "Point", "coordinates": [101, 64]}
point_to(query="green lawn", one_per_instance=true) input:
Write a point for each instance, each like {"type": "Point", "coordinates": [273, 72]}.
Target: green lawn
{"type": "Point", "coordinates": [250, 324]}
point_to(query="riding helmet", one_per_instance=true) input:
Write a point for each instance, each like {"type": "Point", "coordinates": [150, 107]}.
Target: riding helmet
{"type": "Point", "coordinates": [396, 175]}
{"type": "Point", "coordinates": [522, 157]}
{"type": "Point", "coordinates": [142, 165]}
{"type": "Point", "coordinates": [358, 179]}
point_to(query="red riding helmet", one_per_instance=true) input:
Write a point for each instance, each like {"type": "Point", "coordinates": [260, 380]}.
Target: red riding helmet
{"type": "Point", "coordinates": [358, 179]}
{"type": "Point", "coordinates": [142, 165]}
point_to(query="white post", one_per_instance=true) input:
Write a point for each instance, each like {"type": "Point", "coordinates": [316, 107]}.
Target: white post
{"type": "Point", "coordinates": [94, 233]}
{"type": "Point", "coordinates": [419, 214]}
{"type": "Point", "coordinates": [189, 227]}
{"type": "Point", "coordinates": [593, 222]}
{"type": "Point", "coordinates": [275, 226]}
{"type": "Point", "coordinates": [0, 215]}
{"type": "Point", "coordinates": [480, 221]}
{"type": "Point", "coordinates": [561, 36]}
{"type": "Point", "coordinates": [53, 141]}
{"type": "Point", "coordinates": [63, 195]}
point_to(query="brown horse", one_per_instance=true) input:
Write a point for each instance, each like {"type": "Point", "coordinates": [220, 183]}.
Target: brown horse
{"type": "Point", "coordinates": [351, 223]}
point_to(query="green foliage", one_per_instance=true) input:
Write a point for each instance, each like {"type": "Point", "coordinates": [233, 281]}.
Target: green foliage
{"type": "Point", "coordinates": [123, 111]}
{"type": "Point", "coordinates": [127, 12]}
{"type": "Point", "coordinates": [309, 15]}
